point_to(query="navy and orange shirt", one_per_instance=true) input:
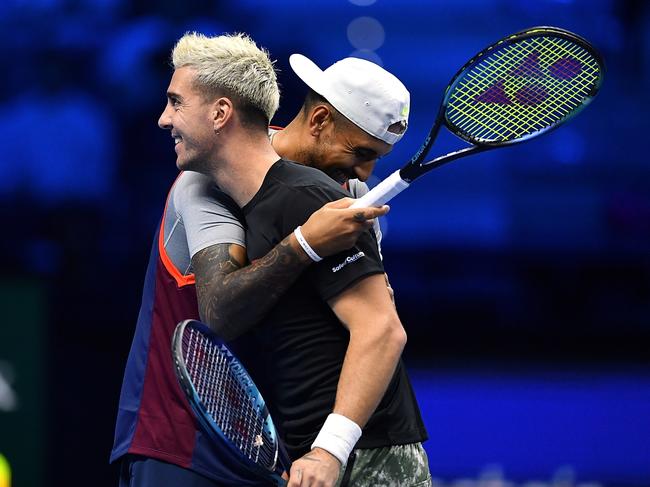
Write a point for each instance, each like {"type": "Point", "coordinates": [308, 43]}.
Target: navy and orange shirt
{"type": "Point", "coordinates": [154, 418]}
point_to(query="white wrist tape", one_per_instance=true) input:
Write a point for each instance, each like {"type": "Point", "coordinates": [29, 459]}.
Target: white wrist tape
{"type": "Point", "coordinates": [305, 246]}
{"type": "Point", "coordinates": [338, 436]}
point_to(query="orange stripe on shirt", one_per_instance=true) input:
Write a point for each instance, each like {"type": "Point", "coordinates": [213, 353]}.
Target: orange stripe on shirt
{"type": "Point", "coordinates": [181, 279]}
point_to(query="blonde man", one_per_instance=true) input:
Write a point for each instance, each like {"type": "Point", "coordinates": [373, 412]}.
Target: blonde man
{"type": "Point", "coordinates": [156, 437]}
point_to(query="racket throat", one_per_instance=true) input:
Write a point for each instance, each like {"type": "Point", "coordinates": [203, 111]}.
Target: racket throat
{"type": "Point", "coordinates": [452, 156]}
{"type": "Point", "coordinates": [419, 156]}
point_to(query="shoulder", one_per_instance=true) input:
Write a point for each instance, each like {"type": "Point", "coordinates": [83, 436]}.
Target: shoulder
{"type": "Point", "coordinates": [303, 178]}
{"type": "Point", "coordinates": [191, 183]}
{"type": "Point", "coordinates": [289, 194]}
{"type": "Point", "coordinates": [193, 189]}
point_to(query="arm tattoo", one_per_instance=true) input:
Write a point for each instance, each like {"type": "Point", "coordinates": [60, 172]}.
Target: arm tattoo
{"type": "Point", "coordinates": [233, 297]}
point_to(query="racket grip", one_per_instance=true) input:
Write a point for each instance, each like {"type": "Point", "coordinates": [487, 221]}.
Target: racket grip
{"type": "Point", "coordinates": [383, 192]}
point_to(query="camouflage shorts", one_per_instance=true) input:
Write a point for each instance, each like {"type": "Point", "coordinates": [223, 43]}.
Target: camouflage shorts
{"type": "Point", "coordinates": [391, 466]}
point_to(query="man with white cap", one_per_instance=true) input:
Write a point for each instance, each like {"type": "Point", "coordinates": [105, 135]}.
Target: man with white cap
{"type": "Point", "coordinates": [354, 113]}
{"type": "Point", "coordinates": [349, 386]}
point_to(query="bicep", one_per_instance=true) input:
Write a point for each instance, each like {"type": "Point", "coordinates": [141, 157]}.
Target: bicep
{"type": "Point", "coordinates": [218, 260]}
{"type": "Point", "coordinates": [364, 304]}
{"type": "Point", "coordinates": [211, 265]}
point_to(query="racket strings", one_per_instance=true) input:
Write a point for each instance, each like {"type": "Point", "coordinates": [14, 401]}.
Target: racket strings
{"type": "Point", "coordinates": [534, 94]}
{"type": "Point", "coordinates": [227, 400]}
{"type": "Point", "coordinates": [526, 93]}
{"type": "Point", "coordinates": [531, 94]}
{"type": "Point", "coordinates": [523, 88]}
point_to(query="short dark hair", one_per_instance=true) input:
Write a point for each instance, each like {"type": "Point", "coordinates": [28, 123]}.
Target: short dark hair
{"type": "Point", "coordinates": [341, 122]}
{"type": "Point", "coordinates": [312, 99]}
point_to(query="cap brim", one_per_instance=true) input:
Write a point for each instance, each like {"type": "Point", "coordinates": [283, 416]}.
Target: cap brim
{"type": "Point", "coordinates": [309, 72]}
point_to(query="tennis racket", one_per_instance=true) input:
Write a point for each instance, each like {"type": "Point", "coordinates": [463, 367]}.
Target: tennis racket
{"type": "Point", "coordinates": [226, 402]}
{"type": "Point", "coordinates": [520, 87]}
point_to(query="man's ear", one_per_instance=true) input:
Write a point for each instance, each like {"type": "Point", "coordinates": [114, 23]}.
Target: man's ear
{"type": "Point", "coordinates": [319, 118]}
{"type": "Point", "coordinates": [222, 112]}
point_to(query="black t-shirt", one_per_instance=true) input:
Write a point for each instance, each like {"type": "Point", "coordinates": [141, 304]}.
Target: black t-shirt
{"type": "Point", "coordinates": [297, 354]}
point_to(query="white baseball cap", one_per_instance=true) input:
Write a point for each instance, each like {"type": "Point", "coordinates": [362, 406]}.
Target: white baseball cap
{"type": "Point", "coordinates": [365, 93]}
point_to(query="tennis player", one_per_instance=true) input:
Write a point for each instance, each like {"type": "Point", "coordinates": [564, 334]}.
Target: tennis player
{"type": "Point", "coordinates": [156, 433]}
{"type": "Point", "coordinates": [354, 112]}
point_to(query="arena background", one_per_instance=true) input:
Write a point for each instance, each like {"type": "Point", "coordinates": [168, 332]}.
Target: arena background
{"type": "Point", "coordinates": [522, 275]}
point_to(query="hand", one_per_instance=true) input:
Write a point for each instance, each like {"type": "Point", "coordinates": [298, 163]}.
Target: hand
{"type": "Point", "coordinates": [336, 227]}
{"type": "Point", "coordinates": [317, 468]}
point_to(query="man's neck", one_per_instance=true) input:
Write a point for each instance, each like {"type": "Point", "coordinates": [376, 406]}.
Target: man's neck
{"type": "Point", "coordinates": [287, 142]}
{"type": "Point", "coordinates": [243, 167]}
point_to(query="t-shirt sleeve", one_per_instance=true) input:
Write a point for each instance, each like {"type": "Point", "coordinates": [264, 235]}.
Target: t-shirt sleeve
{"type": "Point", "coordinates": [210, 217]}
{"type": "Point", "coordinates": [334, 274]}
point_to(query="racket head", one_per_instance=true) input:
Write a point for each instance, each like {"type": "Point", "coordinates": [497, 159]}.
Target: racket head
{"type": "Point", "coordinates": [226, 401]}
{"type": "Point", "coordinates": [522, 86]}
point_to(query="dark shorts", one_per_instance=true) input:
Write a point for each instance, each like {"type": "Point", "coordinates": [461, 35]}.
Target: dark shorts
{"type": "Point", "coordinates": [139, 471]}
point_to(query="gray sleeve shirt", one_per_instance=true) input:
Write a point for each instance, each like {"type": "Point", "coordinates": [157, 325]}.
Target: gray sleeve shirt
{"type": "Point", "coordinates": [198, 215]}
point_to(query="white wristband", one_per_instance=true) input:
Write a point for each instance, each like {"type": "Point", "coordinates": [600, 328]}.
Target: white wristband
{"type": "Point", "coordinates": [338, 436]}
{"type": "Point", "coordinates": [305, 246]}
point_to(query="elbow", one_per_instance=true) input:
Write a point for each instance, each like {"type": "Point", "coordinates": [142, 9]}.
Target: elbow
{"type": "Point", "coordinates": [392, 336]}
{"type": "Point", "coordinates": [214, 322]}
{"type": "Point", "coordinates": [205, 313]}
{"type": "Point", "coordinates": [398, 337]}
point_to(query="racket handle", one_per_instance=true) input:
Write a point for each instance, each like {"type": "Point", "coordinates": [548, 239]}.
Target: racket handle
{"type": "Point", "coordinates": [383, 192]}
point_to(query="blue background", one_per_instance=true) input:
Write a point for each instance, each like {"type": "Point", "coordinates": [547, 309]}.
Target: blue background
{"type": "Point", "coordinates": [522, 275]}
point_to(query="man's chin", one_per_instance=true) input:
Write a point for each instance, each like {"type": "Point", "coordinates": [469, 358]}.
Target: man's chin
{"type": "Point", "coordinates": [184, 165]}
{"type": "Point", "coordinates": [192, 165]}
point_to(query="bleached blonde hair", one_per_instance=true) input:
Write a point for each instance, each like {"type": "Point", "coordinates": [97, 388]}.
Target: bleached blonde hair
{"type": "Point", "coordinates": [231, 63]}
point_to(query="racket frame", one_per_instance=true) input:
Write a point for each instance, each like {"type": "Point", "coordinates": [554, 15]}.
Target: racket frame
{"type": "Point", "coordinates": [205, 419]}
{"type": "Point", "coordinates": [416, 167]}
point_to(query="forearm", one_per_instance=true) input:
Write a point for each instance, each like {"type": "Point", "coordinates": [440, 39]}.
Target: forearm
{"type": "Point", "coordinates": [377, 339]}
{"type": "Point", "coordinates": [232, 297]}
{"type": "Point", "coordinates": [368, 367]}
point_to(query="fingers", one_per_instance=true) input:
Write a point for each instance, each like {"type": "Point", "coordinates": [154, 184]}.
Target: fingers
{"type": "Point", "coordinates": [295, 478]}
{"type": "Point", "coordinates": [361, 214]}
{"type": "Point", "coordinates": [315, 469]}
{"type": "Point", "coordinates": [342, 203]}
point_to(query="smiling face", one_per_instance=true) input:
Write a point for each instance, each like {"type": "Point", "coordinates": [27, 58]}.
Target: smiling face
{"type": "Point", "coordinates": [342, 150]}
{"type": "Point", "coordinates": [188, 115]}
